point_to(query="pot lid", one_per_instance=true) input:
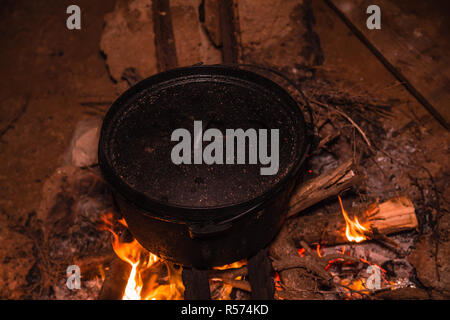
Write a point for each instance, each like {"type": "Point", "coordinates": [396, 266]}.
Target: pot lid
{"type": "Point", "coordinates": [140, 150]}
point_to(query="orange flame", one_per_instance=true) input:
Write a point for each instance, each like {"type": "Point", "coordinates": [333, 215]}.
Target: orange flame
{"type": "Point", "coordinates": [354, 231]}
{"type": "Point", "coordinates": [233, 265]}
{"type": "Point", "coordinates": [318, 251]}
{"type": "Point", "coordinates": [226, 288]}
{"type": "Point", "coordinates": [143, 262]}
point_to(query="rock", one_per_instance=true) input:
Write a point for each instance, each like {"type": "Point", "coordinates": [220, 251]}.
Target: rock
{"type": "Point", "coordinates": [83, 148]}
{"type": "Point", "coordinates": [128, 39]}
{"type": "Point", "coordinates": [422, 259]}
{"type": "Point", "coordinates": [432, 275]}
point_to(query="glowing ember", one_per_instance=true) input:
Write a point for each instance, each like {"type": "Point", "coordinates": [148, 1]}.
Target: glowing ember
{"type": "Point", "coordinates": [318, 251]}
{"type": "Point", "coordinates": [277, 282]}
{"type": "Point", "coordinates": [359, 285]}
{"type": "Point", "coordinates": [354, 231]}
{"type": "Point", "coordinates": [370, 264]}
{"type": "Point", "coordinates": [140, 286]}
{"type": "Point", "coordinates": [355, 288]}
{"type": "Point", "coordinates": [301, 252]}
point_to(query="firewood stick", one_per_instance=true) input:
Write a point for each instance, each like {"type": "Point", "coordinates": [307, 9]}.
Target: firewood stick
{"type": "Point", "coordinates": [115, 281]}
{"type": "Point", "coordinates": [311, 262]}
{"type": "Point", "coordinates": [324, 186]}
{"type": "Point", "coordinates": [295, 262]}
{"type": "Point", "coordinates": [395, 215]}
{"type": "Point", "coordinates": [116, 277]}
{"type": "Point", "coordinates": [286, 262]}
{"type": "Point", "coordinates": [293, 269]}
{"type": "Point", "coordinates": [231, 273]}
{"type": "Point", "coordinates": [238, 284]}
{"type": "Point", "coordinates": [228, 276]}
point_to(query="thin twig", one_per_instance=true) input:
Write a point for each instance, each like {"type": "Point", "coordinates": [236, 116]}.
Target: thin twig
{"type": "Point", "coordinates": [342, 113]}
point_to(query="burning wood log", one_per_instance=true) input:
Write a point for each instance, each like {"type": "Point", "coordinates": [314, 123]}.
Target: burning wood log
{"type": "Point", "coordinates": [395, 215]}
{"type": "Point", "coordinates": [116, 277]}
{"type": "Point", "coordinates": [115, 281]}
{"type": "Point", "coordinates": [295, 267]}
{"type": "Point", "coordinates": [298, 274]}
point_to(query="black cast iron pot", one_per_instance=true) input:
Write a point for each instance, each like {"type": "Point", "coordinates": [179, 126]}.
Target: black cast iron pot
{"type": "Point", "coordinates": [197, 214]}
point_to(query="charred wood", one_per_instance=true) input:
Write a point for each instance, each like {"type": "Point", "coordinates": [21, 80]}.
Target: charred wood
{"type": "Point", "coordinates": [324, 186]}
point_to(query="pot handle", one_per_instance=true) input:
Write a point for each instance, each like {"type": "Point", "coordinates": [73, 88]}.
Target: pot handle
{"type": "Point", "coordinates": [201, 230]}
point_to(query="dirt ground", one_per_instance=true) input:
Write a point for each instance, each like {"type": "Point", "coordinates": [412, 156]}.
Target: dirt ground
{"type": "Point", "coordinates": [49, 72]}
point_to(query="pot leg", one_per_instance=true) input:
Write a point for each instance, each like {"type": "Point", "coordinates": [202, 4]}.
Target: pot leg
{"type": "Point", "coordinates": [260, 276]}
{"type": "Point", "coordinates": [196, 283]}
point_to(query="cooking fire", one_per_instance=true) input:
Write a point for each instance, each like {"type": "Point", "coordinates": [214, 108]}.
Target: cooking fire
{"type": "Point", "coordinates": [226, 150]}
{"type": "Point", "coordinates": [147, 281]}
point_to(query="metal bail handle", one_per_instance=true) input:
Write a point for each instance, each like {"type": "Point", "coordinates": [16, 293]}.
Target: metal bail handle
{"type": "Point", "coordinates": [202, 230]}
{"type": "Point", "coordinates": [307, 110]}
